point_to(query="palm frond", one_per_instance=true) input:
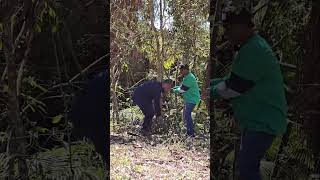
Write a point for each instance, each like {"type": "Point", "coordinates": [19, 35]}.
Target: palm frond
{"type": "Point", "coordinates": [56, 165]}
{"type": "Point", "coordinates": [4, 165]}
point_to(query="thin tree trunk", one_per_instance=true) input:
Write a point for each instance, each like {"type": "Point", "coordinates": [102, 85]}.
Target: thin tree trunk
{"type": "Point", "coordinates": [162, 39]}
{"type": "Point", "coordinates": [115, 107]}
{"type": "Point", "coordinates": [156, 36]}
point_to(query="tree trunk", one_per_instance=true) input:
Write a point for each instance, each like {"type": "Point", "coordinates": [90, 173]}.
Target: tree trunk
{"type": "Point", "coordinates": [215, 16]}
{"type": "Point", "coordinates": [311, 75]}
{"type": "Point", "coordinates": [156, 36]}
{"type": "Point", "coordinates": [17, 143]}
{"type": "Point", "coordinates": [161, 60]}
{"type": "Point", "coordinates": [114, 84]}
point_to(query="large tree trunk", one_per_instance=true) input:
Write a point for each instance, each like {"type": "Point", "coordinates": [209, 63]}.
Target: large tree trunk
{"type": "Point", "coordinates": [215, 16]}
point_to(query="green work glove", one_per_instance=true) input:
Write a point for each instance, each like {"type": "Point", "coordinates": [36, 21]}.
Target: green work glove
{"type": "Point", "coordinates": [176, 89]}
{"type": "Point", "coordinates": [213, 90]}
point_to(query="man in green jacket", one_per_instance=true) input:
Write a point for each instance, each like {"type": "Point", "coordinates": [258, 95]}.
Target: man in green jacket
{"type": "Point", "coordinates": [255, 89]}
{"type": "Point", "coordinates": [191, 96]}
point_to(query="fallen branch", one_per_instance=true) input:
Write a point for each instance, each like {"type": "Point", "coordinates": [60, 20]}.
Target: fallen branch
{"type": "Point", "coordinates": [53, 97]}
{"type": "Point", "coordinates": [88, 67]}
{"type": "Point", "coordinates": [288, 65]}
{"type": "Point", "coordinates": [63, 84]}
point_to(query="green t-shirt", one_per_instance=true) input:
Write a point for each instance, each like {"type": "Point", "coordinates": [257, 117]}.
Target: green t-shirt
{"type": "Point", "coordinates": [192, 95]}
{"type": "Point", "coordinates": [263, 107]}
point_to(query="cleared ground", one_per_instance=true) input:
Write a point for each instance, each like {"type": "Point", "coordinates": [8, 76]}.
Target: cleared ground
{"type": "Point", "coordinates": [161, 157]}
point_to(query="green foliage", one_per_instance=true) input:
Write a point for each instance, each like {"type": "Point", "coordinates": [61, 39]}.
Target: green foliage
{"type": "Point", "coordinates": [57, 119]}
{"type": "Point", "coordinates": [4, 165]}
{"type": "Point", "coordinates": [169, 62]}
{"type": "Point", "coordinates": [47, 17]}
{"type": "Point", "coordinates": [273, 150]}
{"type": "Point", "coordinates": [130, 114]}
{"type": "Point", "coordinates": [55, 164]}
{"type": "Point", "coordinates": [32, 82]}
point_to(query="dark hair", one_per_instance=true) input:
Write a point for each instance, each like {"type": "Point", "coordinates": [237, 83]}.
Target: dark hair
{"type": "Point", "coordinates": [168, 81]}
{"type": "Point", "coordinates": [184, 66]}
{"type": "Point", "coordinates": [244, 16]}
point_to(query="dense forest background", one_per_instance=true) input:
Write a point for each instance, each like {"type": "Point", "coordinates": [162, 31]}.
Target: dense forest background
{"type": "Point", "coordinates": [48, 49]}
{"type": "Point", "coordinates": [150, 37]}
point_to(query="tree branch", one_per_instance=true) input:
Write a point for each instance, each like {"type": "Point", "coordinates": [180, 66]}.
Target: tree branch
{"type": "Point", "coordinates": [4, 73]}
{"type": "Point", "coordinates": [16, 42]}
{"type": "Point", "coordinates": [24, 61]}
{"type": "Point", "coordinates": [88, 67]}
{"type": "Point", "coordinates": [257, 9]}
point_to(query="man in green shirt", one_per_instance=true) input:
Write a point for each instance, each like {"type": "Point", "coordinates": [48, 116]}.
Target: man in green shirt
{"type": "Point", "coordinates": [189, 89]}
{"type": "Point", "coordinates": [255, 90]}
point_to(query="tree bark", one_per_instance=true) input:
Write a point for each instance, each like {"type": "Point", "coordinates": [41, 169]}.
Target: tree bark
{"type": "Point", "coordinates": [215, 16]}
{"type": "Point", "coordinates": [156, 36]}
{"type": "Point", "coordinates": [17, 145]}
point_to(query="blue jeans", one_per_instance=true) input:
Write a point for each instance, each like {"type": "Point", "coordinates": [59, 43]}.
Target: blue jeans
{"type": "Point", "coordinates": [188, 108]}
{"type": "Point", "coordinates": [253, 148]}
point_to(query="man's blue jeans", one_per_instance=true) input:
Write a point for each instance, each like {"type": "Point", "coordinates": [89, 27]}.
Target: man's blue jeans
{"type": "Point", "coordinates": [188, 108]}
{"type": "Point", "coordinates": [253, 148]}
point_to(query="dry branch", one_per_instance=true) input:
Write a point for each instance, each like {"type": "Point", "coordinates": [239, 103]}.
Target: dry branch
{"type": "Point", "coordinates": [88, 67]}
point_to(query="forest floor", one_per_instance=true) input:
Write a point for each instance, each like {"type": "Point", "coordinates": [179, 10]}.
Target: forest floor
{"type": "Point", "coordinates": [161, 157]}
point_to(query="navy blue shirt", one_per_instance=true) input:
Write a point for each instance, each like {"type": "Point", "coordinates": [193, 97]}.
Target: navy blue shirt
{"type": "Point", "coordinates": [147, 92]}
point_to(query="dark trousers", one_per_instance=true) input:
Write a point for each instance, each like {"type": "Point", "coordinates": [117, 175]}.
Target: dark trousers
{"type": "Point", "coordinates": [188, 108]}
{"type": "Point", "coordinates": [148, 112]}
{"type": "Point", "coordinates": [253, 148]}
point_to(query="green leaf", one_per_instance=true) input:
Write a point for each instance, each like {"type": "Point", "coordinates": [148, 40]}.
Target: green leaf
{"type": "Point", "coordinates": [33, 83]}
{"type": "Point", "coordinates": [57, 119]}
{"type": "Point", "coordinates": [168, 63]}
{"type": "Point", "coordinates": [42, 129]}
{"type": "Point", "coordinates": [100, 173]}
{"type": "Point", "coordinates": [37, 28]}
{"type": "Point", "coordinates": [5, 88]}
{"type": "Point", "coordinates": [54, 28]}
{"type": "Point", "coordinates": [43, 11]}
{"type": "Point", "coordinates": [52, 13]}
{"type": "Point", "coordinates": [125, 67]}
